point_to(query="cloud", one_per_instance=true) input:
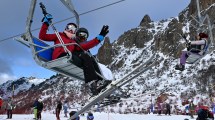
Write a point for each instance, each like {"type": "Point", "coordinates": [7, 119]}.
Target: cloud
{"type": "Point", "coordinates": [5, 67]}
{"type": "Point", "coordinates": [5, 77]}
{"type": "Point", "coordinates": [6, 72]}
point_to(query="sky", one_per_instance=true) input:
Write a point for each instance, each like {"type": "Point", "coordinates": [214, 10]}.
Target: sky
{"type": "Point", "coordinates": [106, 116]}
{"type": "Point", "coordinates": [16, 60]}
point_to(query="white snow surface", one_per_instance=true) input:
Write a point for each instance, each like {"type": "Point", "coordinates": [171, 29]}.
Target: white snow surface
{"type": "Point", "coordinates": [102, 116]}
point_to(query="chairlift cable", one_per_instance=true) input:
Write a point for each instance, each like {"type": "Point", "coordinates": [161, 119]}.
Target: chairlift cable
{"type": "Point", "coordinates": [11, 37]}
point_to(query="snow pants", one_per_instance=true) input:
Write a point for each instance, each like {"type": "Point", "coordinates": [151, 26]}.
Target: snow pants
{"type": "Point", "coordinates": [185, 55]}
{"type": "Point", "coordinates": [57, 112]}
{"type": "Point", "coordinates": [39, 115]}
{"type": "Point", "coordinates": [9, 114]}
{"type": "Point", "coordinates": [89, 65]}
{"type": "Point", "coordinates": [35, 113]}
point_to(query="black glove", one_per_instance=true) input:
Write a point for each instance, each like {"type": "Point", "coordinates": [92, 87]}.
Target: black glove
{"type": "Point", "coordinates": [47, 19]}
{"type": "Point", "coordinates": [104, 31]}
{"type": "Point", "coordinates": [188, 44]}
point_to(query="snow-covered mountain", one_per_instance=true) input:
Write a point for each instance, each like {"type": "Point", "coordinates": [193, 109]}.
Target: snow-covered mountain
{"type": "Point", "coordinates": [15, 86]}
{"type": "Point", "coordinates": [133, 48]}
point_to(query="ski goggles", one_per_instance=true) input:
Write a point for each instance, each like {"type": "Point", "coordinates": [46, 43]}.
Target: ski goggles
{"type": "Point", "coordinates": [71, 28]}
{"type": "Point", "coordinates": [82, 35]}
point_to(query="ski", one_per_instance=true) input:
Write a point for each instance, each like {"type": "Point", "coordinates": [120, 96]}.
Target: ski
{"type": "Point", "coordinates": [117, 84]}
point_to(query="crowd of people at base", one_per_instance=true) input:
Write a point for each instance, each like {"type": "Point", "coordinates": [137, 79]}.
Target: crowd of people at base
{"type": "Point", "coordinates": [203, 112]}
{"type": "Point", "coordinates": [8, 105]}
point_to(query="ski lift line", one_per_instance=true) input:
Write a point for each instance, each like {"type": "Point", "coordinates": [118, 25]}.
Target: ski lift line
{"type": "Point", "coordinates": [2, 40]}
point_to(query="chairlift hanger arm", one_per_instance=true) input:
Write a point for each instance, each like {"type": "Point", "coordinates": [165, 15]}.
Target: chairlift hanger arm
{"type": "Point", "coordinates": [70, 6]}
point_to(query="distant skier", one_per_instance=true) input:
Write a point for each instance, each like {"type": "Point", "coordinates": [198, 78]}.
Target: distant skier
{"type": "Point", "coordinates": [192, 109]}
{"type": "Point", "coordinates": [58, 109]}
{"type": "Point", "coordinates": [194, 47]}
{"type": "Point", "coordinates": [10, 106]}
{"type": "Point", "coordinates": [35, 108]}
{"type": "Point", "coordinates": [168, 107]}
{"type": "Point", "coordinates": [39, 109]}
{"type": "Point", "coordinates": [65, 108]}
{"type": "Point", "coordinates": [1, 102]}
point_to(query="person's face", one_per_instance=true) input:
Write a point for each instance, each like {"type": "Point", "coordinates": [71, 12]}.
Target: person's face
{"type": "Point", "coordinates": [197, 37]}
{"type": "Point", "coordinates": [71, 28]}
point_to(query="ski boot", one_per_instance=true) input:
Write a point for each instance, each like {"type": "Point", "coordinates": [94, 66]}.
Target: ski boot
{"type": "Point", "coordinates": [102, 84]}
{"type": "Point", "coordinates": [92, 86]}
{"type": "Point", "coordinates": [180, 67]}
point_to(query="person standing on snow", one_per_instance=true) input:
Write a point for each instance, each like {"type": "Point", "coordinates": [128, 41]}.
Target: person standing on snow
{"type": "Point", "coordinates": [35, 108]}
{"type": "Point", "coordinates": [10, 106]}
{"type": "Point", "coordinates": [65, 108]}
{"type": "Point", "coordinates": [192, 109]}
{"type": "Point", "coordinates": [168, 108]}
{"type": "Point", "coordinates": [39, 109]}
{"type": "Point", "coordinates": [1, 102]}
{"type": "Point", "coordinates": [68, 37]}
{"type": "Point", "coordinates": [58, 109]}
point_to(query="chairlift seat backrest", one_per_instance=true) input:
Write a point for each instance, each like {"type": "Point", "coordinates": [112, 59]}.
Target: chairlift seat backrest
{"type": "Point", "coordinates": [206, 47]}
{"type": "Point", "coordinates": [63, 65]}
{"type": "Point", "coordinates": [45, 55]}
{"type": "Point", "coordinates": [193, 57]}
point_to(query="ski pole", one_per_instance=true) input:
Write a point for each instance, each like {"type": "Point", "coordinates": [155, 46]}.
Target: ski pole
{"type": "Point", "coordinates": [55, 30]}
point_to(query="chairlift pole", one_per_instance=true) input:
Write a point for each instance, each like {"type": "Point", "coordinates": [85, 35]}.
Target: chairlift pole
{"type": "Point", "coordinates": [210, 27]}
{"type": "Point", "coordinates": [210, 31]}
{"type": "Point", "coordinates": [199, 15]}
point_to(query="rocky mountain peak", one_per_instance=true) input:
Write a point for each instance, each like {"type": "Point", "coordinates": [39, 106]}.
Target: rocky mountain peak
{"type": "Point", "coordinates": [145, 21]}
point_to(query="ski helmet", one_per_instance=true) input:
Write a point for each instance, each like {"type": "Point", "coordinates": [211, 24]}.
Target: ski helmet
{"type": "Point", "coordinates": [82, 33]}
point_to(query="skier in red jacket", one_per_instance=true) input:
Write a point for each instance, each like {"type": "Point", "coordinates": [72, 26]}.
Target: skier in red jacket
{"type": "Point", "coordinates": [68, 36]}
{"type": "Point", "coordinates": [1, 102]}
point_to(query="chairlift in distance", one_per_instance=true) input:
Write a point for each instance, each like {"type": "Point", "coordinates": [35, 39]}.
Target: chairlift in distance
{"type": "Point", "coordinates": [193, 58]}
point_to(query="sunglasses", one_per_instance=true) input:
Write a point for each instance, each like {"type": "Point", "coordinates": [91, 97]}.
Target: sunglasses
{"type": "Point", "coordinates": [71, 28]}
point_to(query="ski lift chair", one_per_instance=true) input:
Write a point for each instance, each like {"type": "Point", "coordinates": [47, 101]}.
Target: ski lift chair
{"type": "Point", "coordinates": [69, 65]}
{"type": "Point", "coordinates": [194, 57]}
{"type": "Point", "coordinates": [66, 65]}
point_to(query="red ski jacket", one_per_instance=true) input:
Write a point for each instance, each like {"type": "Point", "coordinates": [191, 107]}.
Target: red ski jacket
{"type": "Point", "coordinates": [59, 50]}
{"type": "Point", "coordinates": [1, 102]}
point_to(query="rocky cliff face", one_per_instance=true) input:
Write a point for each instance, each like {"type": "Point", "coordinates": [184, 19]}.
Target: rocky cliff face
{"type": "Point", "coordinates": [166, 40]}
